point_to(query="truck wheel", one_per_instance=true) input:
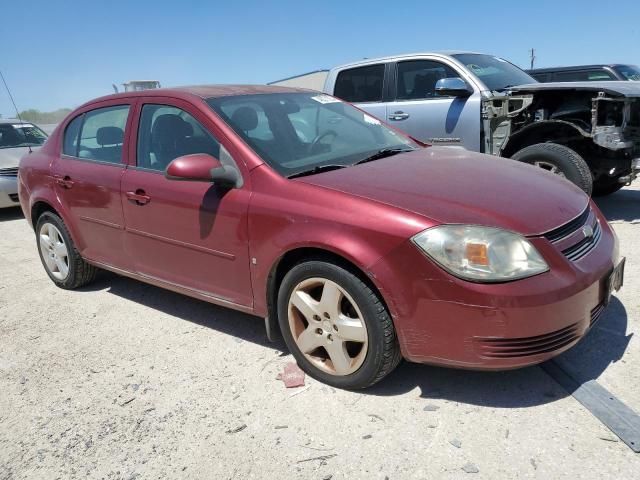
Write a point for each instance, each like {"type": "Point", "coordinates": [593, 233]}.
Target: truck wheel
{"type": "Point", "coordinates": [560, 160]}
{"type": "Point", "coordinates": [606, 186]}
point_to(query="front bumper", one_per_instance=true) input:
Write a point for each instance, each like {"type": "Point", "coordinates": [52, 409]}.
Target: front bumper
{"type": "Point", "coordinates": [443, 320]}
{"type": "Point", "coordinates": [9, 192]}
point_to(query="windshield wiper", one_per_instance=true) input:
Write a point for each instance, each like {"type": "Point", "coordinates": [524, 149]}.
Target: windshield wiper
{"type": "Point", "coordinates": [316, 169]}
{"type": "Point", "coordinates": [385, 152]}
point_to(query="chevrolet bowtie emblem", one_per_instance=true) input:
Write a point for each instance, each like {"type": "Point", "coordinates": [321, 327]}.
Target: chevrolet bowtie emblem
{"type": "Point", "coordinates": [588, 231]}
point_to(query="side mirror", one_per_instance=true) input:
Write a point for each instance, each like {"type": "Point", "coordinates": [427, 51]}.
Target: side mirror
{"type": "Point", "coordinates": [453, 87]}
{"type": "Point", "coordinates": [202, 167]}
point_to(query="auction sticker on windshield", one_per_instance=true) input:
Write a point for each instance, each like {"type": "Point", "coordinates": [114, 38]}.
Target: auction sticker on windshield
{"type": "Point", "coordinates": [325, 99]}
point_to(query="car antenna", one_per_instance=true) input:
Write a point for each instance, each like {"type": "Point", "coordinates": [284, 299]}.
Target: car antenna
{"type": "Point", "coordinates": [14, 103]}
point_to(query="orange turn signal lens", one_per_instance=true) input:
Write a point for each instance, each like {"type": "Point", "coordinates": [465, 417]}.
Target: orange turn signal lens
{"type": "Point", "coordinates": [476, 253]}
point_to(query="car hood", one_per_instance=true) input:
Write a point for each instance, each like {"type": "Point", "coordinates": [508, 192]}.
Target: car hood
{"type": "Point", "coordinates": [453, 185]}
{"type": "Point", "coordinates": [10, 157]}
{"type": "Point", "coordinates": [614, 88]}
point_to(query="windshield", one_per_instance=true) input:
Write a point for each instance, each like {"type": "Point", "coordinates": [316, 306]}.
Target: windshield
{"type": "Point", "coordinates": [495, 73]}
{"type": "Point", "coordinates": [300, 132]}
{"type": "Point", "coordinates": [20, 135]}
{"type": "Point", "coordinates": [629, 72]}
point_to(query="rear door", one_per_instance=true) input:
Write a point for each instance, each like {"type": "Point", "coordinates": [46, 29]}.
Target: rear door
{"type": "Point", "coordinates": [191, 234]}
{"type": "Point", "coordinates": [87, 178]}
{"type": "Point", "coordinates": [417, 110]}
{"type": "Point", "coordinates": [366, 87]}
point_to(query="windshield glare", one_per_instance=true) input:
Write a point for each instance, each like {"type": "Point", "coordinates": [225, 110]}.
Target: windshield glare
{"type": "Point", "coordinates": [495, 73]}
{"type": "Point", "coordinates": [630, 72]}
{"type": "Point", "coordinates": [20, 135]}
{"type": "Point", "coordinates": [296, 132]}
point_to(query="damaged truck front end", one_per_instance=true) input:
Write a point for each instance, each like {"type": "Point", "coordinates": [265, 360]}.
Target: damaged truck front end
{"type": "Point", "coordinates": [600, 124]}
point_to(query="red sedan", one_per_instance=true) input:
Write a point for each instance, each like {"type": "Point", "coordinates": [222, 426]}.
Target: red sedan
{"type": "Point", "coordinates": [366, 246]}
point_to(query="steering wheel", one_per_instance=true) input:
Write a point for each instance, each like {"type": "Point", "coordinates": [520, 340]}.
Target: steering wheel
{"type": "Point", "coordinates": [318, 138]}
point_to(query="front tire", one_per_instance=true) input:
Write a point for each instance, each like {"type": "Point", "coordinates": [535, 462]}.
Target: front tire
{"type": "Point", "coordinates": [58, 254]}
{"type": "Point", "coordinates": [560, 160]}
{"type": "Point", "coordinates": [336, 326]}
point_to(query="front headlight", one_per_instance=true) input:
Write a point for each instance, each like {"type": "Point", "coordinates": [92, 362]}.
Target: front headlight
{"type": "Point", "coordinates": [481, 254]}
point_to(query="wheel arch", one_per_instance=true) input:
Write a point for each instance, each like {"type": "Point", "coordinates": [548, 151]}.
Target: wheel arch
{"type": "Point", "coordinates": [296, 255]}
{"type": "Point", "coordinates": [41, 205]}
{"type": "Point", "coordinates": [557, 131]}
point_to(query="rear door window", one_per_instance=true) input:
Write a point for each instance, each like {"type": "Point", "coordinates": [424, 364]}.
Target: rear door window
{"type": "Point", "coordinates": [417, 78]}
{"type": "Point", "coordinates": [102, 134]}
{"type": "Point", "coordinates": [361, 84]}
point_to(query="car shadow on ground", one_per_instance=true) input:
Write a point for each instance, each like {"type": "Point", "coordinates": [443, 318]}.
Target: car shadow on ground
{"type": "Point", "coordinates": [225, 320]}
{"type": "Point", "coordinates": [526, 387]}
{"type": "Point", "coordinates": [624, 205]}
{"type": "Point", "coordinates": [12, 213]}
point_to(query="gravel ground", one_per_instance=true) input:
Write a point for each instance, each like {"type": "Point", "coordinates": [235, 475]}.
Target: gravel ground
{"type": "Point", "coordinates": [125, 380]}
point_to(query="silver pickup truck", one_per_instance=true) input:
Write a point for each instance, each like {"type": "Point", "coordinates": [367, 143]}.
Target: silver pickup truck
{"type": "Point", "coordinates": [588, 132]}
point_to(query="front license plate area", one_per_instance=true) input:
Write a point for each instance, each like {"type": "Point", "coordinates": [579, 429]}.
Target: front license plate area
{"type": "Point", "coordinates": [615, 280]}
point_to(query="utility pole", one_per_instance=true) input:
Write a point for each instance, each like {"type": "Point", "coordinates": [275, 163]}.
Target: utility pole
{"type": "Point", "coordinates": [532, 54]}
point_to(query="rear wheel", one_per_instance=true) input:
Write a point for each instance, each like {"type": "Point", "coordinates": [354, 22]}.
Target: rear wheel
{"type": "Point", "coordinates": [336, 326]}
{"type": "Point", "coordinates": [560, 160]}
{"type": "Point", "coordinates": [59, 256]}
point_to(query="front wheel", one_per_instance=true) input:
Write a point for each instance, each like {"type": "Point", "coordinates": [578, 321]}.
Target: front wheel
{"type": "Point", "coordinates": [560, 160]}
{"type": "Point", "coordinates": [336, 326]}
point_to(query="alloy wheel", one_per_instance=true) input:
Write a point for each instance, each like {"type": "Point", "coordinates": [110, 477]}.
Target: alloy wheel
{"type": "Point", "coordinates": [54, 251]}
{"type": "Point", "coordinates": [327, 326]}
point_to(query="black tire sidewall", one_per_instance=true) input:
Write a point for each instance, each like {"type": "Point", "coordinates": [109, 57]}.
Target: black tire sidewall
{"type": "Point", "coordinates": [49, 217]}
{"type": "Point", "coordinates": [567, 160]}
{"type": "Point", "coordinates": [374, 359]}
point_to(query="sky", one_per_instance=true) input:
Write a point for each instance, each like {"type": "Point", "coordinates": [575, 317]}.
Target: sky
{"type": "Point", "coordinates": [61, 53]}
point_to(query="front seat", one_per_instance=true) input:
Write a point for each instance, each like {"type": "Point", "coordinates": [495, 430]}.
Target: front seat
{"type": "Point", "coordinates": [169, 139]}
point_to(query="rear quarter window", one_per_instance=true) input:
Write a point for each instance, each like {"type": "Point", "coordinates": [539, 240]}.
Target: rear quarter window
{"type": "Point", "coordinates": [70, 141]}
{"type": "Point", "coordinates": [361, 84]}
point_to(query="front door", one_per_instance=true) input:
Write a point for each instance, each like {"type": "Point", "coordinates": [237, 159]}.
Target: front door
{"type": "Point", "coordinates": [87, 180]}
{"type": "Point", "coordinates": [190, 234]}
{"type": "Point", "coordinates": [418, 111]}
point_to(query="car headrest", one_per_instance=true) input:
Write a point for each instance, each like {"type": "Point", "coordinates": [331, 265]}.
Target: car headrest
{"type": "Point", "coordinates": [245, 118]}
{"type": "Point", "coordinates": [109, 136]}
{"type": "Point", "coordinates": [171, 124]}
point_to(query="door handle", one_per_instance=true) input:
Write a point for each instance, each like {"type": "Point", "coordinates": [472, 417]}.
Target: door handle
{"type": "Point", "coordinates": [139, 197]}
{"type": "Point", "coordinates": [64, 182]}
{"type": "Point", "coordinates": [399, 115]}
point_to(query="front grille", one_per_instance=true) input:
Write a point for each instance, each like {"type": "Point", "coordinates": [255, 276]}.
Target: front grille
{"type": "Point", "coordinates": [527, 346]}
{"type": "Point", "coordinates": [595, 314]}
{"type": "Point", "coordinates": [568, 228]}
{"type": "Point", "coordinates": [584, 246]}
{"type": "Point", "coordinates": [14, 197]}
{"type": "Point", "coordinates": [9, 172]}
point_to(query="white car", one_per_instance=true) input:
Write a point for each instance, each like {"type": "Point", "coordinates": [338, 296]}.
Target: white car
{"type": "Point", "coordinates": [16, 138]}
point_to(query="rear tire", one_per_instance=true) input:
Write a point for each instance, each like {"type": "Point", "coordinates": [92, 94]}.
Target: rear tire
{"type": "Point", "coordinates": [558, 159]}
{"type": "Point", "coordinates": [356, 320]}
{"type": "Point", "coordinates": [59, 256]}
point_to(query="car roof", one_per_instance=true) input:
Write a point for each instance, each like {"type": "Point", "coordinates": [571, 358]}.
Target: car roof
{"type": "Point", "coordinates": [572, 68]}
{"type": "Point", "coordinates": [201, 91]}
{"type": "Point", "coordinates": [391, 58]}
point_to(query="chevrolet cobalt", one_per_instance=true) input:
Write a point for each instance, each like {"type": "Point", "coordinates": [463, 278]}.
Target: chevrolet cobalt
{"type": "Point", "coordinates": [363, 245]}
